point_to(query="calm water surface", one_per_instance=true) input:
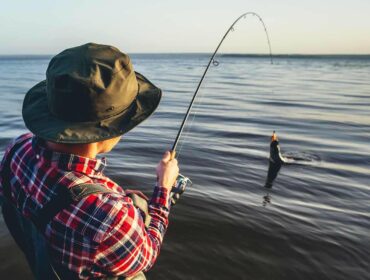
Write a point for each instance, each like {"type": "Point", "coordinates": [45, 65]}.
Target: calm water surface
{"type": "Point", "coordinates": [315, 221]}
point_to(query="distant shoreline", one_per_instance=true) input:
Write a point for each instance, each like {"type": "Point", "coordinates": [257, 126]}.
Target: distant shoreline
{"type": "Point", "coordinates": [236, 55]}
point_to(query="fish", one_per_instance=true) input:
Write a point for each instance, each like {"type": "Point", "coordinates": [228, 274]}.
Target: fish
{"type": "Point", "coordinates": [276, 160]}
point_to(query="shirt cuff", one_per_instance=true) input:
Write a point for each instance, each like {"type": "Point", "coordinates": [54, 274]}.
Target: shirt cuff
{"type": "Point", "coordinates": [161, 197]}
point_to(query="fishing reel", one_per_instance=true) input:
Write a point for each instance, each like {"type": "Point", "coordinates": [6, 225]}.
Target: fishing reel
{"type": "Point", "coordinates": [181, 183]}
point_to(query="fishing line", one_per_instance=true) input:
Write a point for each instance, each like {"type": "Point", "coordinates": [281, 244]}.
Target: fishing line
{"type": "Point", "coordinates": [187, 132]}
{"type": "Point", "coordinates": [215, 63]}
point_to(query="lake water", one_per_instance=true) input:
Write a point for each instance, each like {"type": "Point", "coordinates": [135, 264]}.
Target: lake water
{"type": "Point", "coordinates": [314, 223]}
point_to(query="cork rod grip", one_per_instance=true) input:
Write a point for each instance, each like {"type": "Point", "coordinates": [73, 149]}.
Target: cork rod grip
{"type": "Point", "coordinates": [173, 154]}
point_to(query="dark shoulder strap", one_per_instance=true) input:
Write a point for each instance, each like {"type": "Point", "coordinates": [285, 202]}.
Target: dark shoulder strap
{"type": "Point", "coordinates": [81, 191]}
{"type": "Point", "coordinates": [142, 205]}
{"type": "Point", "coordinates": [63, 199]}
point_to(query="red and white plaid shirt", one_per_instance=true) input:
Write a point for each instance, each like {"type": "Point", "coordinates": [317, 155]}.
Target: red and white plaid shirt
{"type": "Point", "coordinates": [102, 233]}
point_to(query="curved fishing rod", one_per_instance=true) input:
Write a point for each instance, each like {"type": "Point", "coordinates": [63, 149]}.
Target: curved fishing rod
{"type": "Point", "coordinates": [231, 28]}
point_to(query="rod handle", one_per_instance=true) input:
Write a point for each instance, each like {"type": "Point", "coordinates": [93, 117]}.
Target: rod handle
{"type": "Point", "coordinates": [173, 154]}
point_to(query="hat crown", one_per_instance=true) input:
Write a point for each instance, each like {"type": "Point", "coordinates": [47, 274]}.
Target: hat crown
{"type": "Point", "coordinates": [90, 82]}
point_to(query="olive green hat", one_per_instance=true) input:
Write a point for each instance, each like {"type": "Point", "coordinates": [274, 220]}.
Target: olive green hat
{"type": "Point", "coordinates": [91, 93]}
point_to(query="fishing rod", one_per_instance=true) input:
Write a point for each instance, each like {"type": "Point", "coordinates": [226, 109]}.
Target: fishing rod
{"type": "Point", "coordinates": [231, 28]}
{"type": "Point", "coordinates": [182, 182]}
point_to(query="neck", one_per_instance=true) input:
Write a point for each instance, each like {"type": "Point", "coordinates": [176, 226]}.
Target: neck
{"type": "Point", "coordinates": [85, 150]}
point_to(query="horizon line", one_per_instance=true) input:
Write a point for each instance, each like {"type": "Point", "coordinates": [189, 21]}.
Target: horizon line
{"type": "Point", "coordinates": [207, 53]}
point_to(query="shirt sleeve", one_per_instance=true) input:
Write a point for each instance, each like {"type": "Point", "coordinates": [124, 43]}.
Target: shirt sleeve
{"type": "Point", "coordinates": [130, 247]}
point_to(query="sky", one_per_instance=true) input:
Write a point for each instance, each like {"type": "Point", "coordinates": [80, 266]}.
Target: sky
{"type": "Point", "coordinates": [172, 26]}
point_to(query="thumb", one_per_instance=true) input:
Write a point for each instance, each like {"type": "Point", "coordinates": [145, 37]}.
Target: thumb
{"type": "Point", "coordinates": [166, 156]}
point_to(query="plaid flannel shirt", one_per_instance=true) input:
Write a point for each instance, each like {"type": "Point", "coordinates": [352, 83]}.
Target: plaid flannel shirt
{"type": "Point", "coordinates": [102, 233]}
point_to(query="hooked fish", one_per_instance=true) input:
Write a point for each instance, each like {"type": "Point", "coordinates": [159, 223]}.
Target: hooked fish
{"type": "Point", "coordinates": [276, 160]}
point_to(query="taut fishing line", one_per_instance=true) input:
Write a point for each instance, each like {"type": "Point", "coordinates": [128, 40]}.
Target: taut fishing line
{"type": "Point", "coordinates": [196, 109]}
{"type": "Point", "coordinates": [215, 63]}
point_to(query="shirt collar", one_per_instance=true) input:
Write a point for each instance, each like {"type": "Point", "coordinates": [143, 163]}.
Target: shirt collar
{"type": "Point", "coordinates": [71, 162]}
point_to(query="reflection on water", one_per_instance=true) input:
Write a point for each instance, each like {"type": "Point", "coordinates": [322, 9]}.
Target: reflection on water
{"type": "Point", "coordinates": [266, 199]}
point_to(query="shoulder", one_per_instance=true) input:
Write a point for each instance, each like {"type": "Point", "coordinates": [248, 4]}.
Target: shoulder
{"type": "Point", "coordinates": [22, 139]}
{"type": "Point", "coordinates": [18, 140]}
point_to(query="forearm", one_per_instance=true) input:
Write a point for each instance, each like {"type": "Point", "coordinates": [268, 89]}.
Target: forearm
{"type": "Point", "coordinates": [159, 207]}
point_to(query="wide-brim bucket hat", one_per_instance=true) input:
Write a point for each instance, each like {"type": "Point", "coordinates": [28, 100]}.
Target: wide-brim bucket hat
{"type": "Point", "coordinates": [91, 93]}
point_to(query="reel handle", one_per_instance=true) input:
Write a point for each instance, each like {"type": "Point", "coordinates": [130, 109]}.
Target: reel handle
{"type": "Point", "coordinates": [179, 188]}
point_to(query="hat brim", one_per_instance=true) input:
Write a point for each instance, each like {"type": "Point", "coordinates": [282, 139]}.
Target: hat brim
{"type": "Point", "coordinates": [41, 122]}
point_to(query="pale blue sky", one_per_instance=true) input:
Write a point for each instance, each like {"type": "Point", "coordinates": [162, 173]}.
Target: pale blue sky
{"type": "Point", "coordinates": [295, 26]}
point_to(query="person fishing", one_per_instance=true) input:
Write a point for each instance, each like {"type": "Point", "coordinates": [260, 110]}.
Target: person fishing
{"type": "Point", "coordinates": [70, 220]}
